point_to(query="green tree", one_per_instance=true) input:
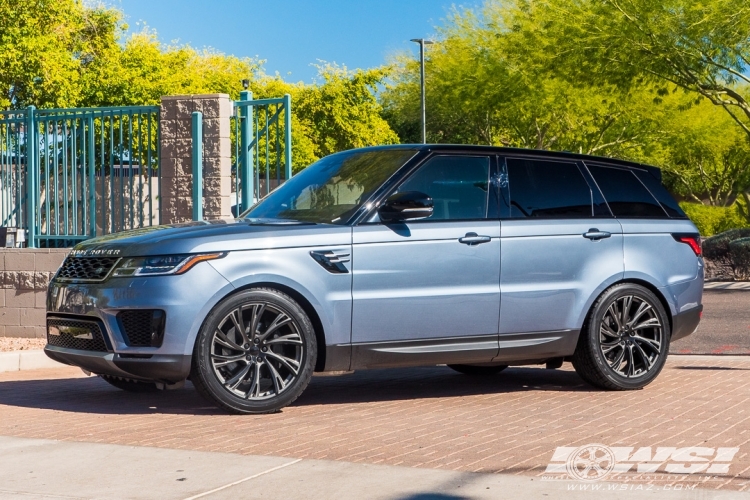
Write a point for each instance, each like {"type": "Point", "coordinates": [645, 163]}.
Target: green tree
{"type": "Point", "coordinates": [47, 49]}
{"type": "Point", "coordinates": [342, 112]}
{"type": "Point", "coordinates": [143, 70]}
{"type": "Point", "coordinates": [702, 164]}
{"type": "Point", "coordinates": [481, 90]}
{"type": "Point", "coordinates": [702, 47]}
{"type": "Point", "coordinates": [338, 114]}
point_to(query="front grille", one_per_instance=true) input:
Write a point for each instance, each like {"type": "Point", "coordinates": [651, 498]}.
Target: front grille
{"type": "Point", "coordinates": [75, 334]}
{"type": "Point", "coordinates": [86, 268]}
{"type": "Point", "coordinates": [142, 327]}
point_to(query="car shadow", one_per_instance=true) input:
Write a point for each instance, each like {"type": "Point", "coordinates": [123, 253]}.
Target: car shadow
{"type": "Point", "coordinates": [434, 382]}
{"type": "Point", "coordinates": [93, 395]}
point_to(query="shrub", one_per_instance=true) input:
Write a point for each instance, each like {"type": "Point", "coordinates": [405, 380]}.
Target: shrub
{"type": "Point", "coordinates": [739, 250]}
{"type": "Point", "coordinates": [717, 247]}
{"type": "Point", "coordinates": [713, 220]}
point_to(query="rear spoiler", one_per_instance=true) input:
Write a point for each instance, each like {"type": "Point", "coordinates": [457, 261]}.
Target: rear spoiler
{"type": "Point", "coordinates": [654, 171]}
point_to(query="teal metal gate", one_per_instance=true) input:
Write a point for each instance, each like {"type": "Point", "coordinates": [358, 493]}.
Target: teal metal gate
{"type": "Point", "coordinates": [263, 147]}
{"type": "Point", "coordinates": [67, 175]}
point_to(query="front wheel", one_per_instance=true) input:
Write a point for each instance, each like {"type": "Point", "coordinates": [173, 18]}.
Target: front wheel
{"type": "Point", "coordinates": [255, 353]}
{"type": "Point", "coordinates": [625, 341]}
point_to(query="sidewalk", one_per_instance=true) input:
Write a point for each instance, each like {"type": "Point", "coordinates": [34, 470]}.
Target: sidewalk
{"type": "Point", "coordinates": [37, 469]}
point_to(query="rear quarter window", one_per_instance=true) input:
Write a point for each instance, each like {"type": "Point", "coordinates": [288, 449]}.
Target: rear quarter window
{"type": "Point", "coordinates": [626, 196]}
{"type": "Point", "coordinates": [668, 203]}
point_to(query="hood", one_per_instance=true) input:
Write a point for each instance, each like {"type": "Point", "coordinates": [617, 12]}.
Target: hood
{"type": "Point", "coordinates": [216, 236]}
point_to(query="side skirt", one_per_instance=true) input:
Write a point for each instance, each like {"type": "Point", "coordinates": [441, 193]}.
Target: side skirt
{"type": "Point", "coordinates": [536, 347]}
{"type": "Point", "coordinates": [479, 349]}
{"type": "Point", "coordinates": [523, 348]}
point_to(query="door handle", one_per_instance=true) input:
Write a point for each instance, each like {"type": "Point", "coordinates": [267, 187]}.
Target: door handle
{"type": "Point", "coordinates": [594, 234]}
{"type": "Point", "coordinates": [474, 239]}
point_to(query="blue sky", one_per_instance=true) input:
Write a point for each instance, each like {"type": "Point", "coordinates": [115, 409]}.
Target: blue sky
{"type": "Point", "coordinates": [292, 34]}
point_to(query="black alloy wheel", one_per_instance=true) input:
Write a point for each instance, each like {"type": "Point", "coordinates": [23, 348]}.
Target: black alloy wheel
{"type": "Point", "coordinates": [625, 341]}
{"type": "Point", "coordinates": [255, 353]}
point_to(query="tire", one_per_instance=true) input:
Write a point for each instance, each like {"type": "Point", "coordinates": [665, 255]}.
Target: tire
{"type": "Point", "coordinates": [625, 340]}
{"type": "Point", "coordinates": [261, 372]}
{"type": "Point", "coordinates": [478, 370]}
{"type": "Point", "coordinates": [129, 385]}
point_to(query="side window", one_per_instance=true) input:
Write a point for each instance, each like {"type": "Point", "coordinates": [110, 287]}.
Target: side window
{"type": "Point", "coordinates": [458, 186]}
{"type": "Point", "coordinates": [625, 194]}
{"type": "Point", "coordinates": [668, 203]}
{"type": "Point", "coordinates": [547, 189]}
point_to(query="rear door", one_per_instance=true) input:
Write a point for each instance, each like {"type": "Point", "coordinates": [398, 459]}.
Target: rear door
{"type": "Point", "coordinates": [560, 248]}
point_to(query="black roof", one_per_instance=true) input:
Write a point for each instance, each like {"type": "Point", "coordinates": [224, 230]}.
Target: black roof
{"type": "Point", "coordinates": [655, 171]}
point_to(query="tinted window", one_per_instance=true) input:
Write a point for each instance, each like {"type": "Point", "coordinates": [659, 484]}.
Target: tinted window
{"type": "Point", "coordinates": [661, 194]}
{"type": "Point", "coordinates": [458, 186]}
{"type": "Point", "coordinates": [625, 194]}
{"type": "Point", "coordinates": [547, 189]}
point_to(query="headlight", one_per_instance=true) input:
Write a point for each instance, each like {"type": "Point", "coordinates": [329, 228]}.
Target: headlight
{"type": "Point", "coordinates": [161, 264]}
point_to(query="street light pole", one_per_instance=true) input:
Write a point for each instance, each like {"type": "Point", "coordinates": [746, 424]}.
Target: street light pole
{"type": "Point", "coordinates": [422, 42]}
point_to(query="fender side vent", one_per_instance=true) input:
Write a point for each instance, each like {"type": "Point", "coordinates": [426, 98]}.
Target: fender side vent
{"type": "Point", "coordinates": [333, 262]}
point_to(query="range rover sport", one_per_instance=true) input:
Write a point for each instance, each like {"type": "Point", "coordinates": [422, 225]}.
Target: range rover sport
{"type": "Point", "coordinates": [475, 257]}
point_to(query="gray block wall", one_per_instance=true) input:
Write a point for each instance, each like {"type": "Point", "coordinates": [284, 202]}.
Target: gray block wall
{"type": "Point", "coordinates": [24, 276]}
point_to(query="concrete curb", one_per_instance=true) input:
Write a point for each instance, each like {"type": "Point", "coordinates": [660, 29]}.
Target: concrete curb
{"type": "Point", "coordinates": [26, 360]}
{"type": "Point", "coordinates": [727, 285]}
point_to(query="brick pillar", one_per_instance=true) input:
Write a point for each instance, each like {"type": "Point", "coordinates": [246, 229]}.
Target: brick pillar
{"type": "Point", "coordinates": [176, 203]}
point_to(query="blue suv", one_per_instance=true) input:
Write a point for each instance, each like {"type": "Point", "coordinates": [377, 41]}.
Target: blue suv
{"type": "Point", "coordinates": [475, 257]}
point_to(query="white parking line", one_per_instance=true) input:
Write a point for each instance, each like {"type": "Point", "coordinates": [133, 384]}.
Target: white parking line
{"type": "Point", "coordinates": [243, 480]}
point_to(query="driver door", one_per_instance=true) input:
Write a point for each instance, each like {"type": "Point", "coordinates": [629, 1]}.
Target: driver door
{"type": "Point", "coordinates": [428, 291]}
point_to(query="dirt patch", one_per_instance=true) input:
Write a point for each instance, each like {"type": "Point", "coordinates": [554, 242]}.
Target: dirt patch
{"type": "Point", "coordinates": [17, 344]}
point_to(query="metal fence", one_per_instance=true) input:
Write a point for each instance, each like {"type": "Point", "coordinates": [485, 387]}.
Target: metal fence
{"type": "Point", "coordinates": [13, 186]}
{"type": "Point", "coordinates": [262, 136]}
{"type": "Point", "coordinates": [70, 174]}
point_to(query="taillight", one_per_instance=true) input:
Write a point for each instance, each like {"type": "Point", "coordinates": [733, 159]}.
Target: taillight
{"type": "Point", "coordinates": [691, 239]}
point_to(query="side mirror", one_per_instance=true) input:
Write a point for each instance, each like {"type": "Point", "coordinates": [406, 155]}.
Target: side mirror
{"type": "Point", "coordinates": [409, 205]}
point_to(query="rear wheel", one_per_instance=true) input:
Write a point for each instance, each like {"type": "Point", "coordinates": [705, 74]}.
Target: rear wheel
{"type": "Point", "coordinates": [479, 370]}
{"type": "Point", "coordinates": [129, 385]}
{"type": "Point", "coordinates": [255, 353]}
{"type": "Point", "coordinates": [625, 341]}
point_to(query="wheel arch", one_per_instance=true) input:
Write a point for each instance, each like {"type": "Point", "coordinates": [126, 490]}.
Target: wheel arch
{"type": "Point", "coordinates": [306, 306]}
{"type": "Point", "coordinates": [634, 281]}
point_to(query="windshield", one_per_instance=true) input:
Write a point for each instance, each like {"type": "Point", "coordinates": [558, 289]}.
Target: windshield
{"type": "Point", "coordinates": [330, 190]}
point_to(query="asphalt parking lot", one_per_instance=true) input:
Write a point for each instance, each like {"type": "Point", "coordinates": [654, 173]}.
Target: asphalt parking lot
{"type": "Point", "coordinates": [724, 328]}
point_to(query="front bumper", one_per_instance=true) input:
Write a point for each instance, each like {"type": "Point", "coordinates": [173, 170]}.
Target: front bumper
{"type": "Point", "coordinates": [185, 299]}
{"type": "Point", "coordinates": [159, 367]}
